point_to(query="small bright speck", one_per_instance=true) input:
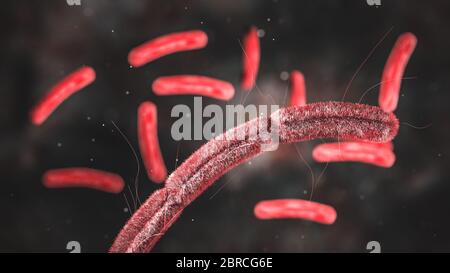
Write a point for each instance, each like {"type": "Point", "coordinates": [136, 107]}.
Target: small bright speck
{"type": "Point", "coordinates": [284, 75]}
{"type": "Point", "coordinates": [261, 33]}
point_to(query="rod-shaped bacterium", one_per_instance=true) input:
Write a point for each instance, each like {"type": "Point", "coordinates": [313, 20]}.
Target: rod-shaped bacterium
{"type": "Point", "coordinates": [295, 209]}
{"type": "Point", "coordinates": [83, 177]}
{"type": "Point", "coordinates": [370, 153]}
{"type": "Point", "coordinates": [393, 71]}
{"type": "Point", "coordinates": [297, 123]}
{"type": "Point", "coordinates": [193, 85]}
{"type": "Point", "coordinates": [165, 45]}
{"type": "Point", "coordinates": [297, 89]}
{"type": "Point", "coordinates": [149, 144]}
{"type": "Point", "coordinates": [250, 59]}
{"type": "Point", "coordinates": [71, 84]}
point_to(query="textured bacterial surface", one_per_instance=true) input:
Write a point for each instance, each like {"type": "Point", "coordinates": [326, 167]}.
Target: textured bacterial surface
{"type": "Point", "coordinates": [218, 156]}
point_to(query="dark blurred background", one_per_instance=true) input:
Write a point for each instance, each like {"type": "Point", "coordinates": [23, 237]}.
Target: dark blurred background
{"type": "Point", "coordinates": [404, 208]}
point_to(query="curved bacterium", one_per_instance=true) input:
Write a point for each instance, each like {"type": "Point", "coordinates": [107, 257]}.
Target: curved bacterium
{"type": "Point", "coordinates": [71, 84]}
{"type": "Point", "coordinates": [223, 153]}
{"type": "Point", "coordinates": [393, 71]}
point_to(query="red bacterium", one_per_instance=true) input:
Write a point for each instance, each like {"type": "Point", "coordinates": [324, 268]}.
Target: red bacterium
{"type": "Point", "coordinates": [298, 89]}
{"type": "Point", "coordinates": [382, 145]}
{"type": "Point", "coordinates": [386, 145]}
{"type": "Point", "coordinates": [393, 71]}
{"type": "Point", "coordinates": [295, 208]}
{"type": "Point", "coordinates": [250, 59]}
{"type": "Point", "coordinates": [195, 85]}
{"type": "Point", "coordinates": [165, 45]}
{"type": "Point", "coordinates": [371, 153]}
{"type": "Point", "coordinates": [60, 92]}
{"type": "Point", "coordinates": [149, 144]}
{"type": "Point", "coordinates": [297, 123]}
{"type": "Point", "coordinates": [83, 177]}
